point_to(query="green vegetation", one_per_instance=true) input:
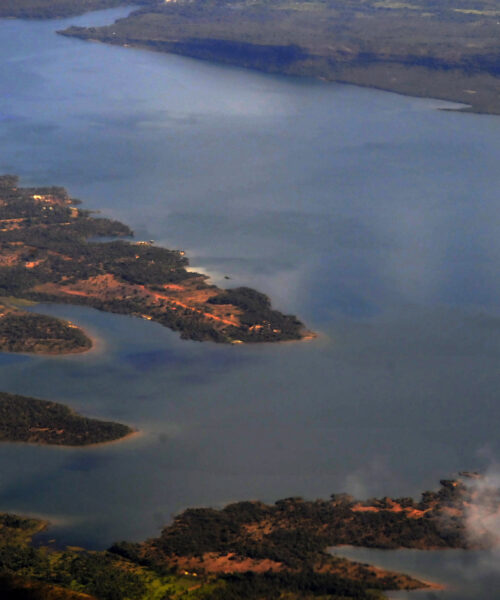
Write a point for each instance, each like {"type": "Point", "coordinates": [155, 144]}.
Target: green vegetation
{"type": "Point", "coordinates": [46, 574]}
{"type": "Point", "coordinates": [257, 315]}
{"type": "Point", "coordinates": [24, 419]}
{"type": "Point", "coordinates": [445, 50]}
{"type": "Point", "coordinates": [46, 255]}
{"type": "Point", "coordinates": [25, 332]}
{"type": "Point", "coordinates": [246, 551]}
{"type": "Point", "coordinates": [18, 530]}
{"type": "Point", "coordinates": [294, 531]}
{"type": "Point", "coordinates": [43, 574]}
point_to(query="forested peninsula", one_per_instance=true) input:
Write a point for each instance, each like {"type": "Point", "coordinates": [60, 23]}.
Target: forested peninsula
{"type": "Point", "coordinates": [46, 255]}
{"type": "Point", "coordinates": [448, 50]}
{"type": "Point", "coordinates": [252, 550]}
{"type": "Point", "coordinates": [24, 419]}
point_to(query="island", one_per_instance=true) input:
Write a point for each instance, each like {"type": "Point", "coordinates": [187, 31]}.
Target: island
{"type": "Point", "coordinates": [21, 331]}
{"type": "Point", "coordinates": [48, 253]}
{"type": "Point", "coordinates": [446, 50]}
{"type": "Point", "coordinates": [251, 550]}
{"type": "Point", "coordinates": [25, 419]}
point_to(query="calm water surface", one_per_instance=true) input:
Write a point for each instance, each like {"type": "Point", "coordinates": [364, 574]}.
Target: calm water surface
{"type": "Point", "coordinates": [372, 216]}
{"type": "Point", "coordinates": [464, 575]}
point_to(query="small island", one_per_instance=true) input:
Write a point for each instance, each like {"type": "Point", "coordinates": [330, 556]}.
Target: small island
{"type": "Point", "coordinates": [21, 331]}
{"type": "Point", "coordinates": [46, 255]}
{"type": "Point", "coordinates": [252, 550]}
{"type": "Point", "coordinates": [24, 419]}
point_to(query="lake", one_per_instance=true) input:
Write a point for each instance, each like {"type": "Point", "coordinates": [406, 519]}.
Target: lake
{"type": "Point", "coordinates": [373, 217]}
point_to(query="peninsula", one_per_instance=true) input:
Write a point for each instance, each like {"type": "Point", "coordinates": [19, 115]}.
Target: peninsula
{"type": "Point", "coordinates": [252, 550]}
{"type": "Point", "coordinates": [46, 255]}
{"type": "Point", "coordinates": [24, 419]}
{"type": "Point", "coordinates": [446, 50]}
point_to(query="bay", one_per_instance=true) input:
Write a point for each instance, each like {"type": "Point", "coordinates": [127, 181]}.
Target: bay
{"type": "Point", "coordinates": [372, 216]}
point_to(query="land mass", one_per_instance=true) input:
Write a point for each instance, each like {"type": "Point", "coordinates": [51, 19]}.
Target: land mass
{"type": "Point", "coordinates": [295, 532]}
{"type": "Point", "coordinates": [252, 550]}
{"type": "Point", "coordinates": [21, 331]}
{"type": "Point", "coordinates": [446, 50]}
{"type": "Point", "coordinates": [24, 419]}
{"type": "Point", "coordinates": [46, 255]}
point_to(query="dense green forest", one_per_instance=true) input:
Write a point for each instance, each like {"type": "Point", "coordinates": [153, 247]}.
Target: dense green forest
{"type": "Point", "coordinates": [48, 253]}
{"type": "Point", "coordinates": [24, 419]}
{"type": "Point", "coordinates": [246, 551]}
{"type": "Point", "coordinates": [294, 532]}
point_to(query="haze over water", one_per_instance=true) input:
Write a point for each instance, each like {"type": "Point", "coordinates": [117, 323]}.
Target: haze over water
{"type": "Point", "coordinates": [372, 216]}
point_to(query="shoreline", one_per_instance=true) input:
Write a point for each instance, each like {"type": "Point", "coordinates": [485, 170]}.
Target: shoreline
{"type": "Point", "coordinates": [98, 345]}
{"type": "Point", "coordinates": [308, 336]}
{"type": "Point", "coordinates": [426, 583]}
{"type": "Point", "coordinates": [135, 433]}
{"type": "Point", "coordinates": [463, 108]}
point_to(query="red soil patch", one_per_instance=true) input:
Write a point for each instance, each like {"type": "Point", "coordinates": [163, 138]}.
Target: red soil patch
{"type": "Point", "coordinates": [212, 562]}
{"type": "Point", "coordinates": [187, 297]}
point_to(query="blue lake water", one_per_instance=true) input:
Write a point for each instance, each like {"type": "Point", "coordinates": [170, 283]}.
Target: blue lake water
{"type": "Point", "coordinates": [372, 216]}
